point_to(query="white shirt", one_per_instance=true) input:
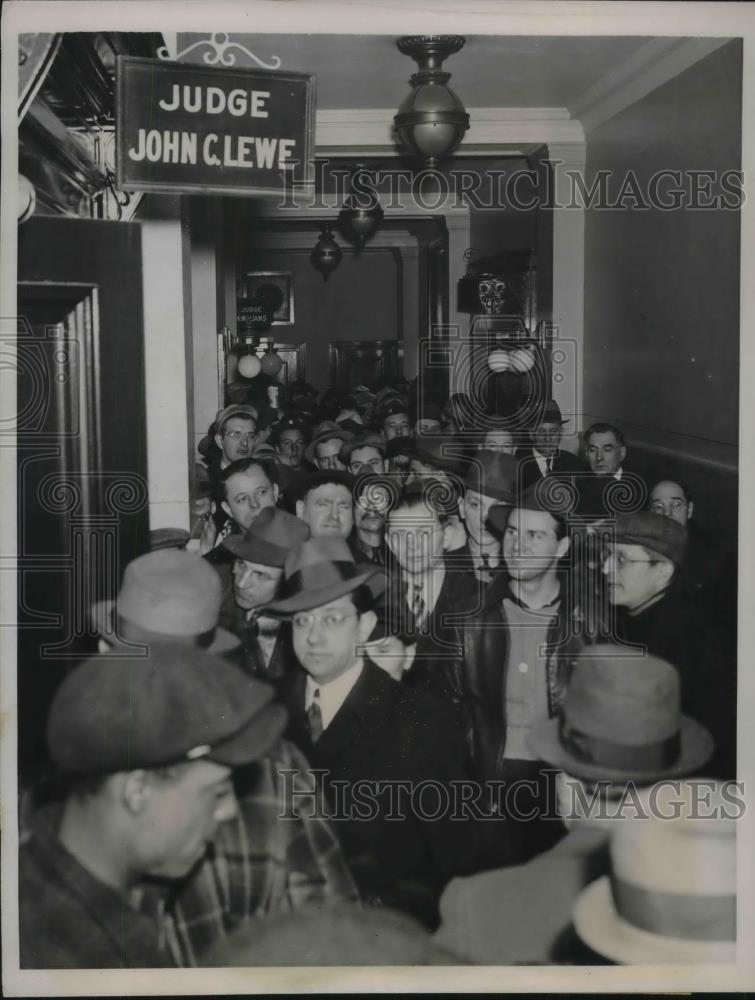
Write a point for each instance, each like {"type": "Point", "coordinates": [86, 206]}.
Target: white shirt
{"type": "Point", "coordinates": [542, 462]}
{"type": "Point", "coordinates": [333, 694]}
{"type": "Point", "coordinates": [619, 473]}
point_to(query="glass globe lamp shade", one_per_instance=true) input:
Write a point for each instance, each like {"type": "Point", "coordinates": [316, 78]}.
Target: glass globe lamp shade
{"type": "Point", "coordinates": [249, 366]}
{"type": "Point", "coordinates": [271, 363]}
{"type": "Point", "coordinates": [431, 120]}
{"type": "Point", "coordinates": [499, 360]}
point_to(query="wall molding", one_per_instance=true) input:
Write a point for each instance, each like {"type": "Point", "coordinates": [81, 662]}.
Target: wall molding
{"type": "Point", "coordinates": [655, 63]}
{"type": "Point", "coordinates": [370, 130]}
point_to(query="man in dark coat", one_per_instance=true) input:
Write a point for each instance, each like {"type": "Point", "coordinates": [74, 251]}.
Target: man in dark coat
{"type": "Point", "coordinates": [388, 753]}
{"type": "Point", "coordinates": [545, 457]}
{"type": "Point", "coordinates": [429, 593]}
{"type": "Point", "coordinates": [657, 611]}
{"type": "Point", "coordinates": [612, 486]}
{"type": "Point", "coordinates": [260, 554]}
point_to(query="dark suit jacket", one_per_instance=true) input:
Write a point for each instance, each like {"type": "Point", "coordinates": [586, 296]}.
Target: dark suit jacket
{"type": "Point", "coordinates": [385, 732]}
{"type": "Point", "coordinates": [439, 660]}
{"type": "Point", "coordinates": [604, 496]}
{"type": "Point", "coordinates": [564, 465]}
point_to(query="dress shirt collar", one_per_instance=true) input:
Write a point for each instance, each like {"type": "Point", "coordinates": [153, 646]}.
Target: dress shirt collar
{"type": "Point", "coordinates": [333, 694]}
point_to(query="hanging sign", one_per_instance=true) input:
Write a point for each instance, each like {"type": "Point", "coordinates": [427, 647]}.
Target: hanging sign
{"type": "Point", "coordinates": [199, 129]}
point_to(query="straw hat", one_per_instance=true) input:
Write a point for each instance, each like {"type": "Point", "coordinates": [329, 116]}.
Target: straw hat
{"type": "Point", "coordinates": [671, 894]}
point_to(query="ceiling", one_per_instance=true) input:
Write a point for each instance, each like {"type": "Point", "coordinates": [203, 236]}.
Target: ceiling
{"type": "Point", "coordinates": [368, 71]}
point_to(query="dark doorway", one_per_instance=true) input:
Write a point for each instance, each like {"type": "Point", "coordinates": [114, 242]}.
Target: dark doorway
{"type": "Point", "coordinates": [81, 440]}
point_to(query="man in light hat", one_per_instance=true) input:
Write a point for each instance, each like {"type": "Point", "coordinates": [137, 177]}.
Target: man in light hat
{"type": "Point", "coordinates": [545, 457]}
{"type": "Point", "coordinates": [146, 746]}
{"type": "Point", "coordinates": [393, 420]}
{"type": "Point", "coordinates": [235, 433]}
{"type": "Point", "coordinates": [660, 612]}
{"type": "Point", "coordinates": [491, 479]}
{"type": "Point", "coordinates": [363, 728]}
{"type": "Point", "coordinates": [165, 596]}
{"type": "Point", "coordinates": [620, 729]}
{"type": "Point", "coordinates": [260, 554]}
{"type": "Point", "coordinates": [324, 451]}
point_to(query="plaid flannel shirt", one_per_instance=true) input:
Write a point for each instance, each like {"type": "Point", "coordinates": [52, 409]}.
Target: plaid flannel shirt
{"type": "Point", "coordinates": [278, 854]}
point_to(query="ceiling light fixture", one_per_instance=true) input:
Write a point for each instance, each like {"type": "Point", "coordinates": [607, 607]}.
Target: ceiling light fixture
{"type": "Point", "coordinates": [431, 120]}
{"type": "Point", "coordinates": [327, 254]}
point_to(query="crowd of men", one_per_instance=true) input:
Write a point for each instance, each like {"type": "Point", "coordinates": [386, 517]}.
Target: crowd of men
{"type": "Point", "coordinates": [363, 673]}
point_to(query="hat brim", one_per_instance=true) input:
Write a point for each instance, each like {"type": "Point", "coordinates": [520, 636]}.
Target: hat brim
{"type": "Point", "coordinates": [254, 740]}
{"type": "Point", "coordinates": [258, 551]}
{"type": "Point", "coordinates": [696, 749]}
{"type": "Point", "coordinates": [316, 597]}
{"type": "Point", "coordinates": [600, 926]}
{"type": "Point", "coordinates": [101, 617]}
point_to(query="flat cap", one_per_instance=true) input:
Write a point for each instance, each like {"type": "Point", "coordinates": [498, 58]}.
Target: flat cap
{"type": "Point", "coordinates": [235, 410]}
{"type": "Point", "coordinates": [177, 703]}
{"type": "Point", "coordinates": [654, 531]}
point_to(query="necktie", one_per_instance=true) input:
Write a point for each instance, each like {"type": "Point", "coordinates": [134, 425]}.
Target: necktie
{"type": "Point", "coordinates": [418, 605]}
{"type": "Point", "coordinates": [549, 463]}
{"type": "Point", "coordinates": [314, 717]}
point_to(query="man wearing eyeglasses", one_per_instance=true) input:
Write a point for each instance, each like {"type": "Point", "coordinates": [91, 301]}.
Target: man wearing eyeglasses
{"type": "Point", "coordinates": [376, 741]}
{"type": "Point", "coordinates": [236, 433]}
{"type": "Point", "coordinates": [658, 612]}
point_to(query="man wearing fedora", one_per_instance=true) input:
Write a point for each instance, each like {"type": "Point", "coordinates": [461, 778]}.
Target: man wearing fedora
{"type": "Point", "coordinates": [260, 554]}
{"type": "Point", "coordinates": [369, 734]}
{"type": "Point", "coordinates": [659, 611]}
{"type": "Point", "coordinates": [393, 420]}
{"type": "Point", "coordinates": [427, 591]}
{"type": "Point", "coordinates": [620, 730]}
{"type": "Point", "coordinates": [166, 596]}
{"type": "Point", "coordinates": [545, 457]}
{"type": "Point", "coordinates": [324, 451]}
{"type": "Point", "coordinates": [145, 747]}
{"type": "Point", "coordinates": [491, 479]}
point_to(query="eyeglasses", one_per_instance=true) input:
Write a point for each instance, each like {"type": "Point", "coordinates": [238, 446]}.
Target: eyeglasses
{"type": "Point", "coordinates": [238, 435]}
{"type": "Point", "coordinates": [329, 621]}
{"type": "Point", "coordinates": [621, 560]}
{"type": "Point", "coordinates": [659, 507]}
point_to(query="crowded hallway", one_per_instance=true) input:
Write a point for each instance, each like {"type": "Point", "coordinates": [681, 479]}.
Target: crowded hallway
{"type": "Point", "coordinates": [378, 566]}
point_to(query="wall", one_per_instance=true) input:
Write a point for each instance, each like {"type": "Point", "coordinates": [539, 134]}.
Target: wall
{"type": "Point", "coordinates": [359, 301]}
{"type": "Point", "coordinates": [165, 368]}
{"type": "Point", "coordinates": [661, 354]}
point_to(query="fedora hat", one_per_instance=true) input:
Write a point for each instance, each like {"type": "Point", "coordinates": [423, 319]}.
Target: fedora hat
{"type": "Point", "coordinates": [670, 897]}
{"type": "Point", "coordinates": [167, 596]}
{"type": "Point", "coordinates": [621, 720]}
{"type": "Point", "coordinates": [326, 431]}
{"type": "Point", "coordinates": [443, 451]}
{"type": "Point", "coordinates": [319, 571]}
{"type": "Point", "coordinates": [369, 440]}
{"type": "Point", "coordinates": [269, 538]}
{"type": "Point", "coordinates": [551, 414]}
{"type": "Point", "coordinates": [493, 474]}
